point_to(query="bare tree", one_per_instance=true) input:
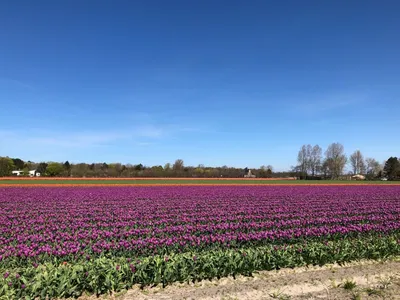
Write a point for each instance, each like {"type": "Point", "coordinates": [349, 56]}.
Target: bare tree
{"type": "Point", "coordinates": [302, 160]}
{"type": "Point", "coordinates": [357, 162]}
{"type": "Point", "coordinates": [335, 159]}
{"type": "Point", "coordinates": [264, 171]}
{"type": "Point", "coordinates": [266, 168]}
{"type": "Point", "coordinates": [178, 165]}
{"type": "Point", "coordinates": [373, 166]}
{"type": "Point", "coordinates": [314, 160]}
{"type": "Point", "coordinates": [308, 158]}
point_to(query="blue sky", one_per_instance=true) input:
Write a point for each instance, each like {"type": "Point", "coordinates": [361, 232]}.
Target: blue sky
{"type": "Point", "coordinates": [237, 83]}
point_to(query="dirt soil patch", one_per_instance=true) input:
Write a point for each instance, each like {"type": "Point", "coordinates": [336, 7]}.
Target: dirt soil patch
{"type": "Point", "coordinates": [359, 280]}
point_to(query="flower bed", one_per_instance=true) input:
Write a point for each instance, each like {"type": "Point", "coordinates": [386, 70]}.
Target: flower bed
{"type": "Point", "coordinates": [60, 242]}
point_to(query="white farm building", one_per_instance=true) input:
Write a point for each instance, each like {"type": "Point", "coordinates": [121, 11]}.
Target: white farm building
{"type": "Point", "coordinates": [17, 173]}
{"type": "Point", "coordinates": [34, 173]}
{"type": "Point", "coordinates": [31, 173]}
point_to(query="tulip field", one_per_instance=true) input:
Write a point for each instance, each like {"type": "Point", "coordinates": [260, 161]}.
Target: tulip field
{"type": "Point", "coordinates": [66, 241]}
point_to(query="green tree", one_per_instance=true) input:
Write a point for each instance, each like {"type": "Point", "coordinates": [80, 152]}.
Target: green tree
{"type": "Point", "coordinates": [199, 171]}
{"type": "Point", "coordinates": [54, 169]}
{"type": "Point", "coordinates": [67, 168]}
{"type": "Point", "coordinates": [30, 165]}
{"type": "Point", "coordinates": [80, 170]}
{"type": "Point", "coordinates": [392, 168]}
{"type": "Point", "coordinates": [42, 168]}
{"type": "Point", "coordinates": [18, 163]}
{"type": "Point", "coordinates": [157, 171]}
{"type": "Point", "coordinates": [138, 167]}
{"type": "Point", "coordinates": [265, 171]}
{"type": "Point", "coordinates": [115, 170]}
{"type": "Point", "coordinates": [6, 166]}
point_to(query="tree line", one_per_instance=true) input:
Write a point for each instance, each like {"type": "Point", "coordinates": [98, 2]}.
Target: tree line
{"type": "Point", "coordinates": [312, 164]}
{"type": "Point", "coordinates": [176, 169]}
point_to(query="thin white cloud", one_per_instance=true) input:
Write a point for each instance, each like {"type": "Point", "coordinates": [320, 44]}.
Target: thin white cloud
{"type": "Point", "coordinates": [38, 138]}
{"type": "Point", "coordinates": [75, 139]}
{"type": "Point", "coordinates": [323, 103]}
{"type": "Point", "coordinates": [55, 140]}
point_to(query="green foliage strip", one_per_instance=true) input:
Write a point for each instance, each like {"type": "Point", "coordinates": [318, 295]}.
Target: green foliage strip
{"type": "Point", "coordinates": [104, 275]}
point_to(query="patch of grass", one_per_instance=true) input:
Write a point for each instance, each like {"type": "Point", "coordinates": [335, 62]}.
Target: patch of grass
{"type": "Point", "coordinates": [373, 292]}
{"type": "Point", "coordinates": [349, 285]}
{"type": "Point", "coordinates": [279, 295]}
{"type": "Point", "coordinates": [385, 282]}
{"type": "Point", "coordinates": [188, 181]}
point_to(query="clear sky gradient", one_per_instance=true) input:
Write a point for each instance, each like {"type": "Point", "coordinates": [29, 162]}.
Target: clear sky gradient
{"type": "Point", "coordinates": [237, 83]}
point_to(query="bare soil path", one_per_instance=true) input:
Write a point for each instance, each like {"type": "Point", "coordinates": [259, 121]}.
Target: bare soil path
{"type": "Point", "coordinates": [354, 281]}
{"type": "Point", "coordinates": [361, 280]}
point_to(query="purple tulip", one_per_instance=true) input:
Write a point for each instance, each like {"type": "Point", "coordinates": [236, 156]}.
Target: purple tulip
{"type": "Point", "coordinates": [133, 268]}
{"type": "Point", "coordinates": [86, 222]}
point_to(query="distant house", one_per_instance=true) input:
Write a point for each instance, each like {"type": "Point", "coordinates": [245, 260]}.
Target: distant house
{"type": "Point", "coordinates": [358, 177]}
{"type": "Point", "coordinates": [249, 175]}
{"type": "Point", "coordinates": [17, 173]}
{"type": "Point", "coordinates": [34, 173]}
{"type": "Point", "coordinates": [31, 173]}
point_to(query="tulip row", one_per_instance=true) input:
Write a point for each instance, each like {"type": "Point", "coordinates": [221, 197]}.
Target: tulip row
{"type": "Point", "coordinates": [79, 225]}
{"type": "Point", "coordinates": [142, 220]}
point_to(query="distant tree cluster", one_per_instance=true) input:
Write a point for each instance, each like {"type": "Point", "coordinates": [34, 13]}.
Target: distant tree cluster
{"type": "Point", "coordinates": [6, 166]}
{"type": "Point", "coordinates": [177, 169]}
{"type": "Point", "coordinates": [312, 165]}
